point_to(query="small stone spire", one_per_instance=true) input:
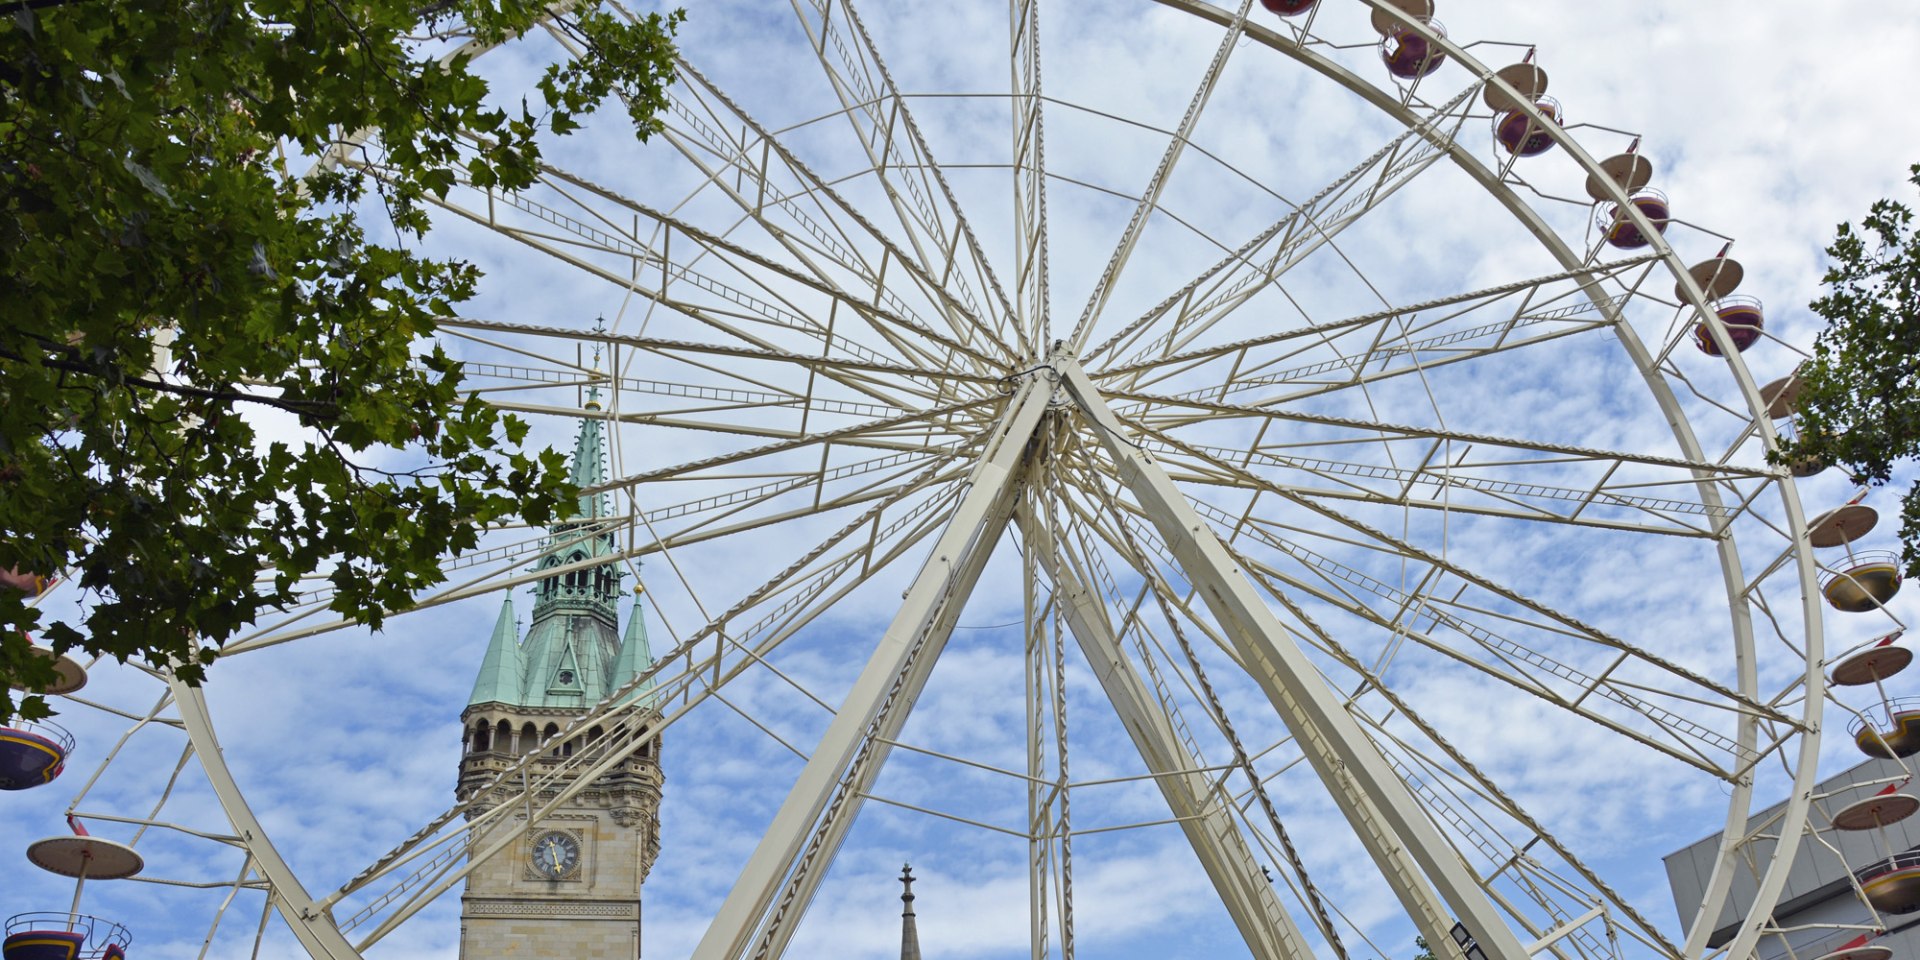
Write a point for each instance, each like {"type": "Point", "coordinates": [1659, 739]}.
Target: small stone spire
{"type": "Point", "coordinates": [909, 934]}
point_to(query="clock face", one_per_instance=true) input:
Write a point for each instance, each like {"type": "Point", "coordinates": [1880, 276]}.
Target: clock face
{"type": "Point", "coordinates": [555, 854]}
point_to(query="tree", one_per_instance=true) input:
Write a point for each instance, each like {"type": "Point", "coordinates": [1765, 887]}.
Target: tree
{"type": "Point", "coordinates": [1859, 404]}
{"type": "Point", "coordinates": [149, 202]}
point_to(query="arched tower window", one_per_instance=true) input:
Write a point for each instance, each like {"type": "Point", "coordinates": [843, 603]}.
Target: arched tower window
{"type": "Point", "coordinates": [503, 736]}
{"type": "Point", "coordinates": [481, 742]}
{"type": "Point", "coordinates": [528, 737]}
{"type": "Point", "coordinates": [553, 730]}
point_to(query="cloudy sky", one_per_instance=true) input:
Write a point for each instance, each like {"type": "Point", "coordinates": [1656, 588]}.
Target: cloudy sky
{"type": "Point", "coordinates": [1766, 127]}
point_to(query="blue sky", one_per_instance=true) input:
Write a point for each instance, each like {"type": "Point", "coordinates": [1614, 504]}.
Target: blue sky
{"type": "Point", "coordinates": [1767, 128]}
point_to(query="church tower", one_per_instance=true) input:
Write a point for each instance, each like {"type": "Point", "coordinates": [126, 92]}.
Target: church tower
{"type": "Point", "coordinates": [570, 885]}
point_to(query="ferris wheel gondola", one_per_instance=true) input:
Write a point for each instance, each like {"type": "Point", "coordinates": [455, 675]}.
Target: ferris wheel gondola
{"type": "Point", "coordinates": [73, 935]}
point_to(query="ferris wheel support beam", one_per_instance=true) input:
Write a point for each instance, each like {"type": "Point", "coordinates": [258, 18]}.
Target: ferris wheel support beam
{"type": "Point", "coordinates": [1383, 812]}
{"type": "Point", "coordinates": [1265, 925]}
{"type": "Point", "coordinates": [971, 533]}
{"type": "Point", "coordinates": [856, 785]}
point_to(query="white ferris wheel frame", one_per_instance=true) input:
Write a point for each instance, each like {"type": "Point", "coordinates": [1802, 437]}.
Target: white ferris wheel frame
{"type": "Point", "coordinates": [1432, 882]}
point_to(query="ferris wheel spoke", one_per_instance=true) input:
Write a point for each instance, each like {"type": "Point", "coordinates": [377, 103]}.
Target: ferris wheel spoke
{"type": "Point", "coordinates": [904, 166]}
{"type": "Point", "coordinates": [677, 349]}
{"type": "Point", "coordinates": [499, 575]}
{"type": "Point", "coordinates": [910, 421]}
{"type": "Point", "coordinates": [1520, 509]}
{"type": "Point", "coordinates": [693, 412]}
{"type": "Point", "coordinates": [843, 270]}
{"type": "Point", "coordinates": [503, 567]}
{"type": "Point", "coordinates": [1641, 713]}
{"type": "Point", "coordinates": [1144, 412]}
{"type": "Point", "coordinates": [1418, 358]}
{"type": "Point", "coordinates": [1156, 184]}
{"type": "Point", "coordinates": [1462, 486]}
{"type": "Point", "coordinates": [1030, 258]}
{"type": "Point", "coordinates": [777, 186]}
{"type": "Point", "coordinates": [693, 132]}
{"type": "Point", "coordinates": [742, 295]}
{"type": "Point", "coordinates": [1659, 692]}
{"type": "Point", "coordinates": [1268, 255]}
{"type": "Point", "coordinates": [1411, 334]}
{"type": "Point", "coordinates": [759, 388]}
{"type": "Point", "coordinates": [895, 314]}
{"type": "Point", "coordinates": [892, 434]}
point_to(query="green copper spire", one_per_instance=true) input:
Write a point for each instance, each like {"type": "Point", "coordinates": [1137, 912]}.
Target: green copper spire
{"type": "Point", "coordinates": [589, 466]}
{"type": "Point", "coordinates": [580, 539]}
{"type": "Point", "coordinates": [573, 655]}
{"type": "Point", "coordinates": [635, 654]}
{"type": "Point", "coordinates": [502, 672]}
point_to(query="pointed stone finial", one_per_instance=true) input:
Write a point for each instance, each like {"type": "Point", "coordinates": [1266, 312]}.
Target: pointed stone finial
{"type": "Point", "coordinates": [593, 391]}
{"type": "Point", "coordinates": [909, 932]}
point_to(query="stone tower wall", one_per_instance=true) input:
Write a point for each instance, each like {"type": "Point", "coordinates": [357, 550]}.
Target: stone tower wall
{"type": "Point", "coordinates": [509, 909]}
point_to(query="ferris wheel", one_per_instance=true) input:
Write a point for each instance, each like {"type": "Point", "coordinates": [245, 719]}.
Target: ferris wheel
{"type": "Point", "coordinates": [1390, 508]}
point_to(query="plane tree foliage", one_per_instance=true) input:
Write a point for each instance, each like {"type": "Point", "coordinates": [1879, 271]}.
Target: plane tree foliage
{"type": "Point", "coordinates": [1859, 403]}
{"type": "Point", "coordinates": [218, 384]}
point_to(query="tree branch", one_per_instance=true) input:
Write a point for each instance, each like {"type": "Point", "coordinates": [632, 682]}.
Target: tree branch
{"type": "Point", "coordinates": [317, 409]}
